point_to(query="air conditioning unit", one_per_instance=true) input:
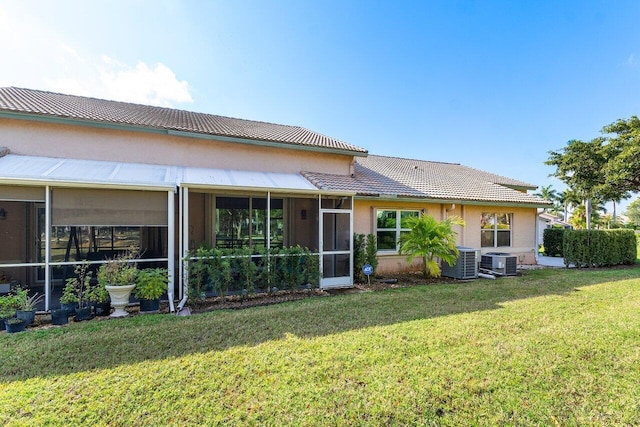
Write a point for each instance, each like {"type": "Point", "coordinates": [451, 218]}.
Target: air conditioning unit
{"type": "Point", "coordinates": [466, 266]}
{"type": "Point", "coordinates": [500, 262]}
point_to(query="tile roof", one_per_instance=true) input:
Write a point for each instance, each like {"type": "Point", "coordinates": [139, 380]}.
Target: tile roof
{"type": "Point", "coordinates": [36, 102]}
{"type": "Point", "coordinates": [408, 178]}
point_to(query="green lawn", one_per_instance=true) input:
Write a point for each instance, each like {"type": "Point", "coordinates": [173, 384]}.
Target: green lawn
{"type": "Point", "coordinates": [552, 347]}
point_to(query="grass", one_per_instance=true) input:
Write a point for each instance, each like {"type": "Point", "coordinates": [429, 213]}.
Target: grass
{"type": "Point", "coordinates": [550, 347]}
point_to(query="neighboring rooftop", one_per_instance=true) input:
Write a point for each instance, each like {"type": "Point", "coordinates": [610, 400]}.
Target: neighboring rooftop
{"type": "Point", "coordinates": [380, 176]}
{"type": "Point", "coordinates": [91, 110]}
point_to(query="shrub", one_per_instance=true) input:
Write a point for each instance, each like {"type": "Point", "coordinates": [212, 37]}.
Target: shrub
{"type": "Point", "coordinates": [211, 269]}
{"type": "Point", "coordinates": [599, 248]}
{"type": "Point", "coordinates": [365, 251]}
{"type": "Point", "coordinates": [552, 241]}
{"type": "Point", "coordinates": [359, 257]}
{"type": "Point", "coordinates": [372, 251]}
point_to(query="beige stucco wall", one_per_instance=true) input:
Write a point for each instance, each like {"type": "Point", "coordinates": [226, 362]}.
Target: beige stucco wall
{"type": "Point", "coordinates": [523, 233]}
{"type": "Point", "coordinates": [83, 142]}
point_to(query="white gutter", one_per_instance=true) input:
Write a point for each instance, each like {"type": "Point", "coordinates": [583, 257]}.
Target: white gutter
{"type": "Point", "coordinates": [87, 184]}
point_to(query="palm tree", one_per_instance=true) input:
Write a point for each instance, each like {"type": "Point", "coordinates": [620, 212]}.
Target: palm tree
{"type": "Point", "coordinates": [547, 193]}
{"type": "Point", "coordinates": [569, 199]}
{"type": "Point", "coordinates": [429, 239]}
{"type": "Point", "coordinates": [579, 215]}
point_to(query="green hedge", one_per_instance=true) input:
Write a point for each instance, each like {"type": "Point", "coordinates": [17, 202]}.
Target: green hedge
{"type": "Point", "coordinates": [221, 272]}
{"type": "Point", "coordinates": [552, 241]}
{"type": "Point", "coordinates": [599, 248]}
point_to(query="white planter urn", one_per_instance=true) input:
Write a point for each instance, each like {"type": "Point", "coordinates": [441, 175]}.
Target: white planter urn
{"type": "Point", "coordinates": [119, 298]}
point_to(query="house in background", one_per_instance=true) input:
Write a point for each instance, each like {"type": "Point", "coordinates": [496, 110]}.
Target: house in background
{"type": "Point", "coordinates": [549, 220]}
{"type": "Point", "coordinates": [83, 178]}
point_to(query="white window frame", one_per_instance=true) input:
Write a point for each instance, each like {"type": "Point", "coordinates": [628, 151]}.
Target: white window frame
{"type": "Point", "coordinates": [495, 229]}
{"type": "Point", "coordinates": [397, 229]}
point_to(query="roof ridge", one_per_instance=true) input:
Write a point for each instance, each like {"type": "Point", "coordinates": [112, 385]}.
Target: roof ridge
{"type": "Point", "coordinates": [415, 160]}
{"type": "Point", "coordinates": [153, 106]}
{"type": "Point", "coordinates": [99, 110]}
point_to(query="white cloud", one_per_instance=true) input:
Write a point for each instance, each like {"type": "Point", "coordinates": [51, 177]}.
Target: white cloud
{"type": "Point", "coordinates": [112, 79]}
{"type": "Point", "coordinates": [142, 84]}
{"type": "Point", "coordinates": [38, 57]}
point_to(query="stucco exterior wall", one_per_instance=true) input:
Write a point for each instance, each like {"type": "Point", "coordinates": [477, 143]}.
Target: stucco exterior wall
{"type": "Point", "coordinates": [523, 231]}
{"type": "Point", "coordinates": [83, 142]}
{"type": "Point", "coordinates": [522, 237]}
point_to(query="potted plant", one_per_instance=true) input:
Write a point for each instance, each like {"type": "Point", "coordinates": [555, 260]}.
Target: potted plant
{"type": "Point", "coordinates": [99, 297]}
{"type": "Point", "coordinates": [27, 305]}
{"type": "Point", "coordinates": [151, 284]}
{"type": "Point", "coordinates": [118, 276]}
{"type": "Point", "coordinates": [8, 307]}
{"type": "Point", "coordinates": [75, 291]}
{"type": "Point", "coordinates": [13, 325]}
{"type": "Point", "coordinates": [69, 298]}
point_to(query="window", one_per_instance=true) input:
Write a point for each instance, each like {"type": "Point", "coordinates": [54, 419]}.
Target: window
{"type": "Point", "coordinates": [242, 222]}
{"type": "Point", "coordinates": [391, 224]}
{"type": "Point", "coordinates": [495, 230]}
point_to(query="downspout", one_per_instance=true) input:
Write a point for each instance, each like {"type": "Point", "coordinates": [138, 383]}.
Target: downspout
{"type": "Point", "coordinates": [171, 244]}
{"type": "Point", "coordinates": [47, 249]}
{"type": "Point", "coordinates": [536, 218]}
{"type": "Point", "coordinates": [463, 238]}
{"type": "Point", "coordinates": [184, 217]}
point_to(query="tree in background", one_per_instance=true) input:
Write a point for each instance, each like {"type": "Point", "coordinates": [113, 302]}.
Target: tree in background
{"type": "Point", "coordinates": [430, 239]}
{"type": "Point", "coordinates": [580, 165]}
{"type": "Point", "coordinates": [548, 193]}
{"type": "Point", "coordinates": [622, 169]}
{"type": "Point", "coordinates": [606, 167]}
{"type": "Point", "coordinates": [579, 215]}
{"type": "Point", "coordinates": [568, 200]}
{"type": "Point", "coordinates": [633, 212]}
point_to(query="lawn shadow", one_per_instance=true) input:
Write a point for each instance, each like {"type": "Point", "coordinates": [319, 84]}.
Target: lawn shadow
{"type": "Point", "coordinates": [110, 343]}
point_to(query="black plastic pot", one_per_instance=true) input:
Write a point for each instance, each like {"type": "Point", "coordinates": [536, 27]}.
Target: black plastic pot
{"type": "Point", "coordinates": [29, 316]}
{"type": "Point", "coordinates": [83, 313]}
{"type": "Point", "coordinates": [59, 316]}
{"type": "Point", "coordinates": [71, 308]}
{"type": "Point", "coordinates": [13, 327]}
{"type": "Point", "coordinates": [149, 305]}
{"type": "Point", "coordinates": [102, 308]}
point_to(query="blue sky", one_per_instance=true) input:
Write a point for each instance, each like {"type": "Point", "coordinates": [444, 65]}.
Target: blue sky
{"type": "Point", "coordinates": [490, 84]}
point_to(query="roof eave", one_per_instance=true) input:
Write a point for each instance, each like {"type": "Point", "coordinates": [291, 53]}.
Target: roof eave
{"type": "Point", "coordinates": [388, 197]}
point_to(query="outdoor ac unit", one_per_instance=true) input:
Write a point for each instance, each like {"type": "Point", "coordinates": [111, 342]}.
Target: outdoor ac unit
{"type": "Point", "coordinates": [500, 262]}
{"type": "Point", "coordinates": [466, 266]}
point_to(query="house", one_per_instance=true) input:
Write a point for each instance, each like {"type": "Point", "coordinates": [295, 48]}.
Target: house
{"type": "Point", "coordinates": [83, 178]}
{"type": "Point", "coordinates": [549, 220]}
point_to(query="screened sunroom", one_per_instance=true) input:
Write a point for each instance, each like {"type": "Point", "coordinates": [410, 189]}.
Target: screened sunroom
{"type": "Point", "coordinates": [56, 214]}
{"type": "Point", "coordinates": [260, 210]}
